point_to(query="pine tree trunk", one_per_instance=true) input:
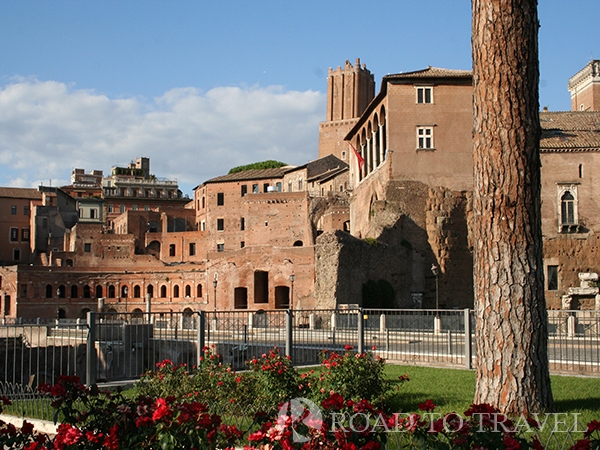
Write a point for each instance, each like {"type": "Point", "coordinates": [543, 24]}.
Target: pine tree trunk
{"type": "Point", "coordinates": [511, 316]}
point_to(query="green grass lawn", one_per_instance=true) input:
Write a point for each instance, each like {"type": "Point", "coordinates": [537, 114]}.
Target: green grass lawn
{"type": "Point", "coordinates": [452, 390]}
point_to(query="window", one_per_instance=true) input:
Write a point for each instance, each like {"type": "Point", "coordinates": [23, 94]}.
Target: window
{"type": "Point", "coordinates": [176, 291]}
{"type": "Point", "coordinates": [255, 188]}
{"type": "Point", "coordinates": [220, 199]}
{"type": "Point", "coordinates": [122, 209]}
{"type": "Point", "coordinates": [93, 213]}
{"type": "Point", "coordinates": [567, 209]}
{"type": "Point", "coordinates": [424, 95]}
{"type": "Point", "coordinates": [171, 249]}
{"type": "Point", "coordinates": [266, 187]}
{"type": "Point", "coordinates": [16, 254]}
{"type": "Point", "coordinates": [44, 222]}
{"type": "Point", "coordinates": [14, 235]}
{"type": "Point", "coordinates": [424, 137]}
{"type": "Point", "coordinates": [199, 290]}
{"type": "Point", "coordinates": [110, 208]}
{"type": "Point", "coordinates": [87, 247]}
{"type": "Point", "coordinates": [203, 203]}
{"type": "Point", "coordinates": [26, 210]}
{"type": "Point", "coordinates": [242, 244]}
{"type": "Point", "coordinates": [192, 248]}
{"type": "Point", "coordinates": [134, 207]}
{"type": "Point", "coordinates": [146, 207]}
{"type": "Point", "coordinates": [278, 186]}
{"type": "Point", "coordinates": [23, 290]}
{"type": "Point", "coordinates": [220, 224]}
{"type": "Point", "coordinates": [25, 234]}
{"type": "Point", "coordinates": [244, 189]}
{"type": "Point", "coordinates": [188, 291]}
{"type": "Point", "coordinates": [242, 224]}
{"type": "Point", "coordinates": [300, 184]}
{"type": "Point", "coordinates": [13, 210]}
{"type": "Point", "coordinates": [289, 186]}
{"type": "Point", "coordinates": [220, 247]}
{"type": "Point", "coordinates": [552, 278]}
{"type": "Point", "coordinates": [203, 225]}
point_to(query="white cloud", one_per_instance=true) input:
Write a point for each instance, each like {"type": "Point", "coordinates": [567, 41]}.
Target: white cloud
{"type": "Point", "coordinates": [47, 129]}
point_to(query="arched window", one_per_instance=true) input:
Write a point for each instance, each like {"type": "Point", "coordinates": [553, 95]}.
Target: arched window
{"type": "Point", "coordinates": [188, 290]}
{"type": "Point", "coordinates": [86, 291]}
{"type": "Point", "coordinates": [124, 291]}
{"type": "Point", "coordinates": [62, 291]}
{"type": "Point", "coordinates": [567, 209]}
{"type": "Point", "coordinates": [48, 291]}
{"type": "Point", "coordinates": [98, 291]}
{"type": "Point", "coordinates": [199, 290]}
{"type": "Point", "coordinates": [111, 291]}
{"type": "Point", "coordinates": [176, 291]}
{"type": "Point", "coordinates": [137, 292]}
{"type": "Point", "coordinates": [74, 293]}
{"type": "Point", "coordinates": [163, 291]}
{"type": "Point", "coordinates": [150, 290]}
{"type": "Point", "coordinates": [298, 244]}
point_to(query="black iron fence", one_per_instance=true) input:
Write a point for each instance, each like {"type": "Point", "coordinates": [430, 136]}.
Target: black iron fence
{"type": "Point", "coordinates": [111, 347]}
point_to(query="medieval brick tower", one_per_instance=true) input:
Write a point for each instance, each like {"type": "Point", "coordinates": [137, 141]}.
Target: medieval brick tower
{"type": "Point", "coordinates": [584, 87]}
{"type": "Point", "coordinates": [349, 91]}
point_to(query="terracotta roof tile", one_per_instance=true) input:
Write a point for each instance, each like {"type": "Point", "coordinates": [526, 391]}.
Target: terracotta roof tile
{"type": "Point", "coordinates": [432, 72]}
{"type": "Point", "coordinates": [29, 193]}
{"type": "Point", "coordinates": [246, 175]}
{"type": "Point", "coordinates": [576, 131]}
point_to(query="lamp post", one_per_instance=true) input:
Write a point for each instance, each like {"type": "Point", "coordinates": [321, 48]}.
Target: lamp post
{"type": "Point", "coordinates": [437, 325]}
{"type": "Point", "coordinates": [436, 271]}
{"type": "Point", "coordinates": [215, 296]}
{"type": "Point", "coordinates": [215, 304]}
{"type": "Point", "coordinates": [57, 306]}
{"type": "Point", "coordinates": [125, 292]}
{"type": "Point", "coordinates": [292, 278]}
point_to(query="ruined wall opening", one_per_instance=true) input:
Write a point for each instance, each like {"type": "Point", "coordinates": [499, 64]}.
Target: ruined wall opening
{"type": "Point", "coordinates": [240, 298]}
{"type": "Point", "coordinates": [378, 295]}
{"type": "Point", "coordinates": [261, 286]}
{"type": "Point", "coordinates": [282, 297]}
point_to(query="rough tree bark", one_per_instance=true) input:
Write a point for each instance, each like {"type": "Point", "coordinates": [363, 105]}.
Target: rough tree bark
{"type": "Point", "coordinates": [511, 316]}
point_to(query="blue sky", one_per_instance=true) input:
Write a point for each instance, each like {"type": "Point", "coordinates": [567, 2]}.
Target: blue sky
{"type": "Point", "coordinates": [202, 86]}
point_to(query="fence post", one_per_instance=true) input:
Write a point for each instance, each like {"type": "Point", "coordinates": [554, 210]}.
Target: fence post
{"type": "Point", "coordinates": [200, 337]}
{"type": "Point", "coordinates": [361, 331]}
{"type": "Point", "coordinates": [90, 363]}
{"type": "Point", "coordinates": [289, 322]}
{"type": "Point", "coordinates": [468, 343]}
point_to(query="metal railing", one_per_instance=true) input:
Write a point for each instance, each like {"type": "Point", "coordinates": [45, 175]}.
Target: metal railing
{"type": "Point", "coordinates": [117, 346]}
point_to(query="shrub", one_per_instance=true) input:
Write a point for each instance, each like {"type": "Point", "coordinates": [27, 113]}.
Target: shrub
{"type": "Point", "coordinates": [275, 379]}
{"type": "Point", "coordinates": [353, 375]}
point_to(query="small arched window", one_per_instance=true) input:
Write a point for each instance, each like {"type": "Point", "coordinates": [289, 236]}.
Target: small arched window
{"type": "Point", "coordinates": [176, 291]}
{"type": "Point", "coordinates": [199, 290]}
{"type": "Point", "coordinates": [163, 291]}
{"type": "Point", "coordinates": [567, 209]}
{"type": "Point", "coordinates": [74, 293]}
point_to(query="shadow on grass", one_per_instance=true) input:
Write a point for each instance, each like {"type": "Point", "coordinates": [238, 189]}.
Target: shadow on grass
{"type": "Point", "coordinates": [575, 404]}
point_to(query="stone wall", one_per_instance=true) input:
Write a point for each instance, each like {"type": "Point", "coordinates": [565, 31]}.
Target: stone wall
{"type": "Point", "coordinates": [414, 227]}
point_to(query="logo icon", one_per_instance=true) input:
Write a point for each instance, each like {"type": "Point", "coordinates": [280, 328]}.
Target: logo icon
{"type": "Point", "coordinates": [301, 415]}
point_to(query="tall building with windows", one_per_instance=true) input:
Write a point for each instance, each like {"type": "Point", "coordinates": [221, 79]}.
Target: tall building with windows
{"type": "Point", "coordinates": [15, 224]}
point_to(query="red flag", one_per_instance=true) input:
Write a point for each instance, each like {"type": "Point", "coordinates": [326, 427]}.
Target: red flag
{"type": "Point", "coordinates": [361, 160]}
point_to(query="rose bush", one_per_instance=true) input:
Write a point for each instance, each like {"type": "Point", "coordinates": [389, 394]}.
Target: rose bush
{"type": "Point", "coordinates": [168, 411]}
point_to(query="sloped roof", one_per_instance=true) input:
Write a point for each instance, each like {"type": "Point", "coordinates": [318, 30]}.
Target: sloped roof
{"type": "Point", "coordinates": [432, 72]}
{"type": "Point", "coordinates": [247, 175]}
{"type": "Point", "coordinates": [571, 131]}
{"type": "Point", "coordinates": [28, 193]}
{"type": "Point", "coordinates": [325, 167]}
